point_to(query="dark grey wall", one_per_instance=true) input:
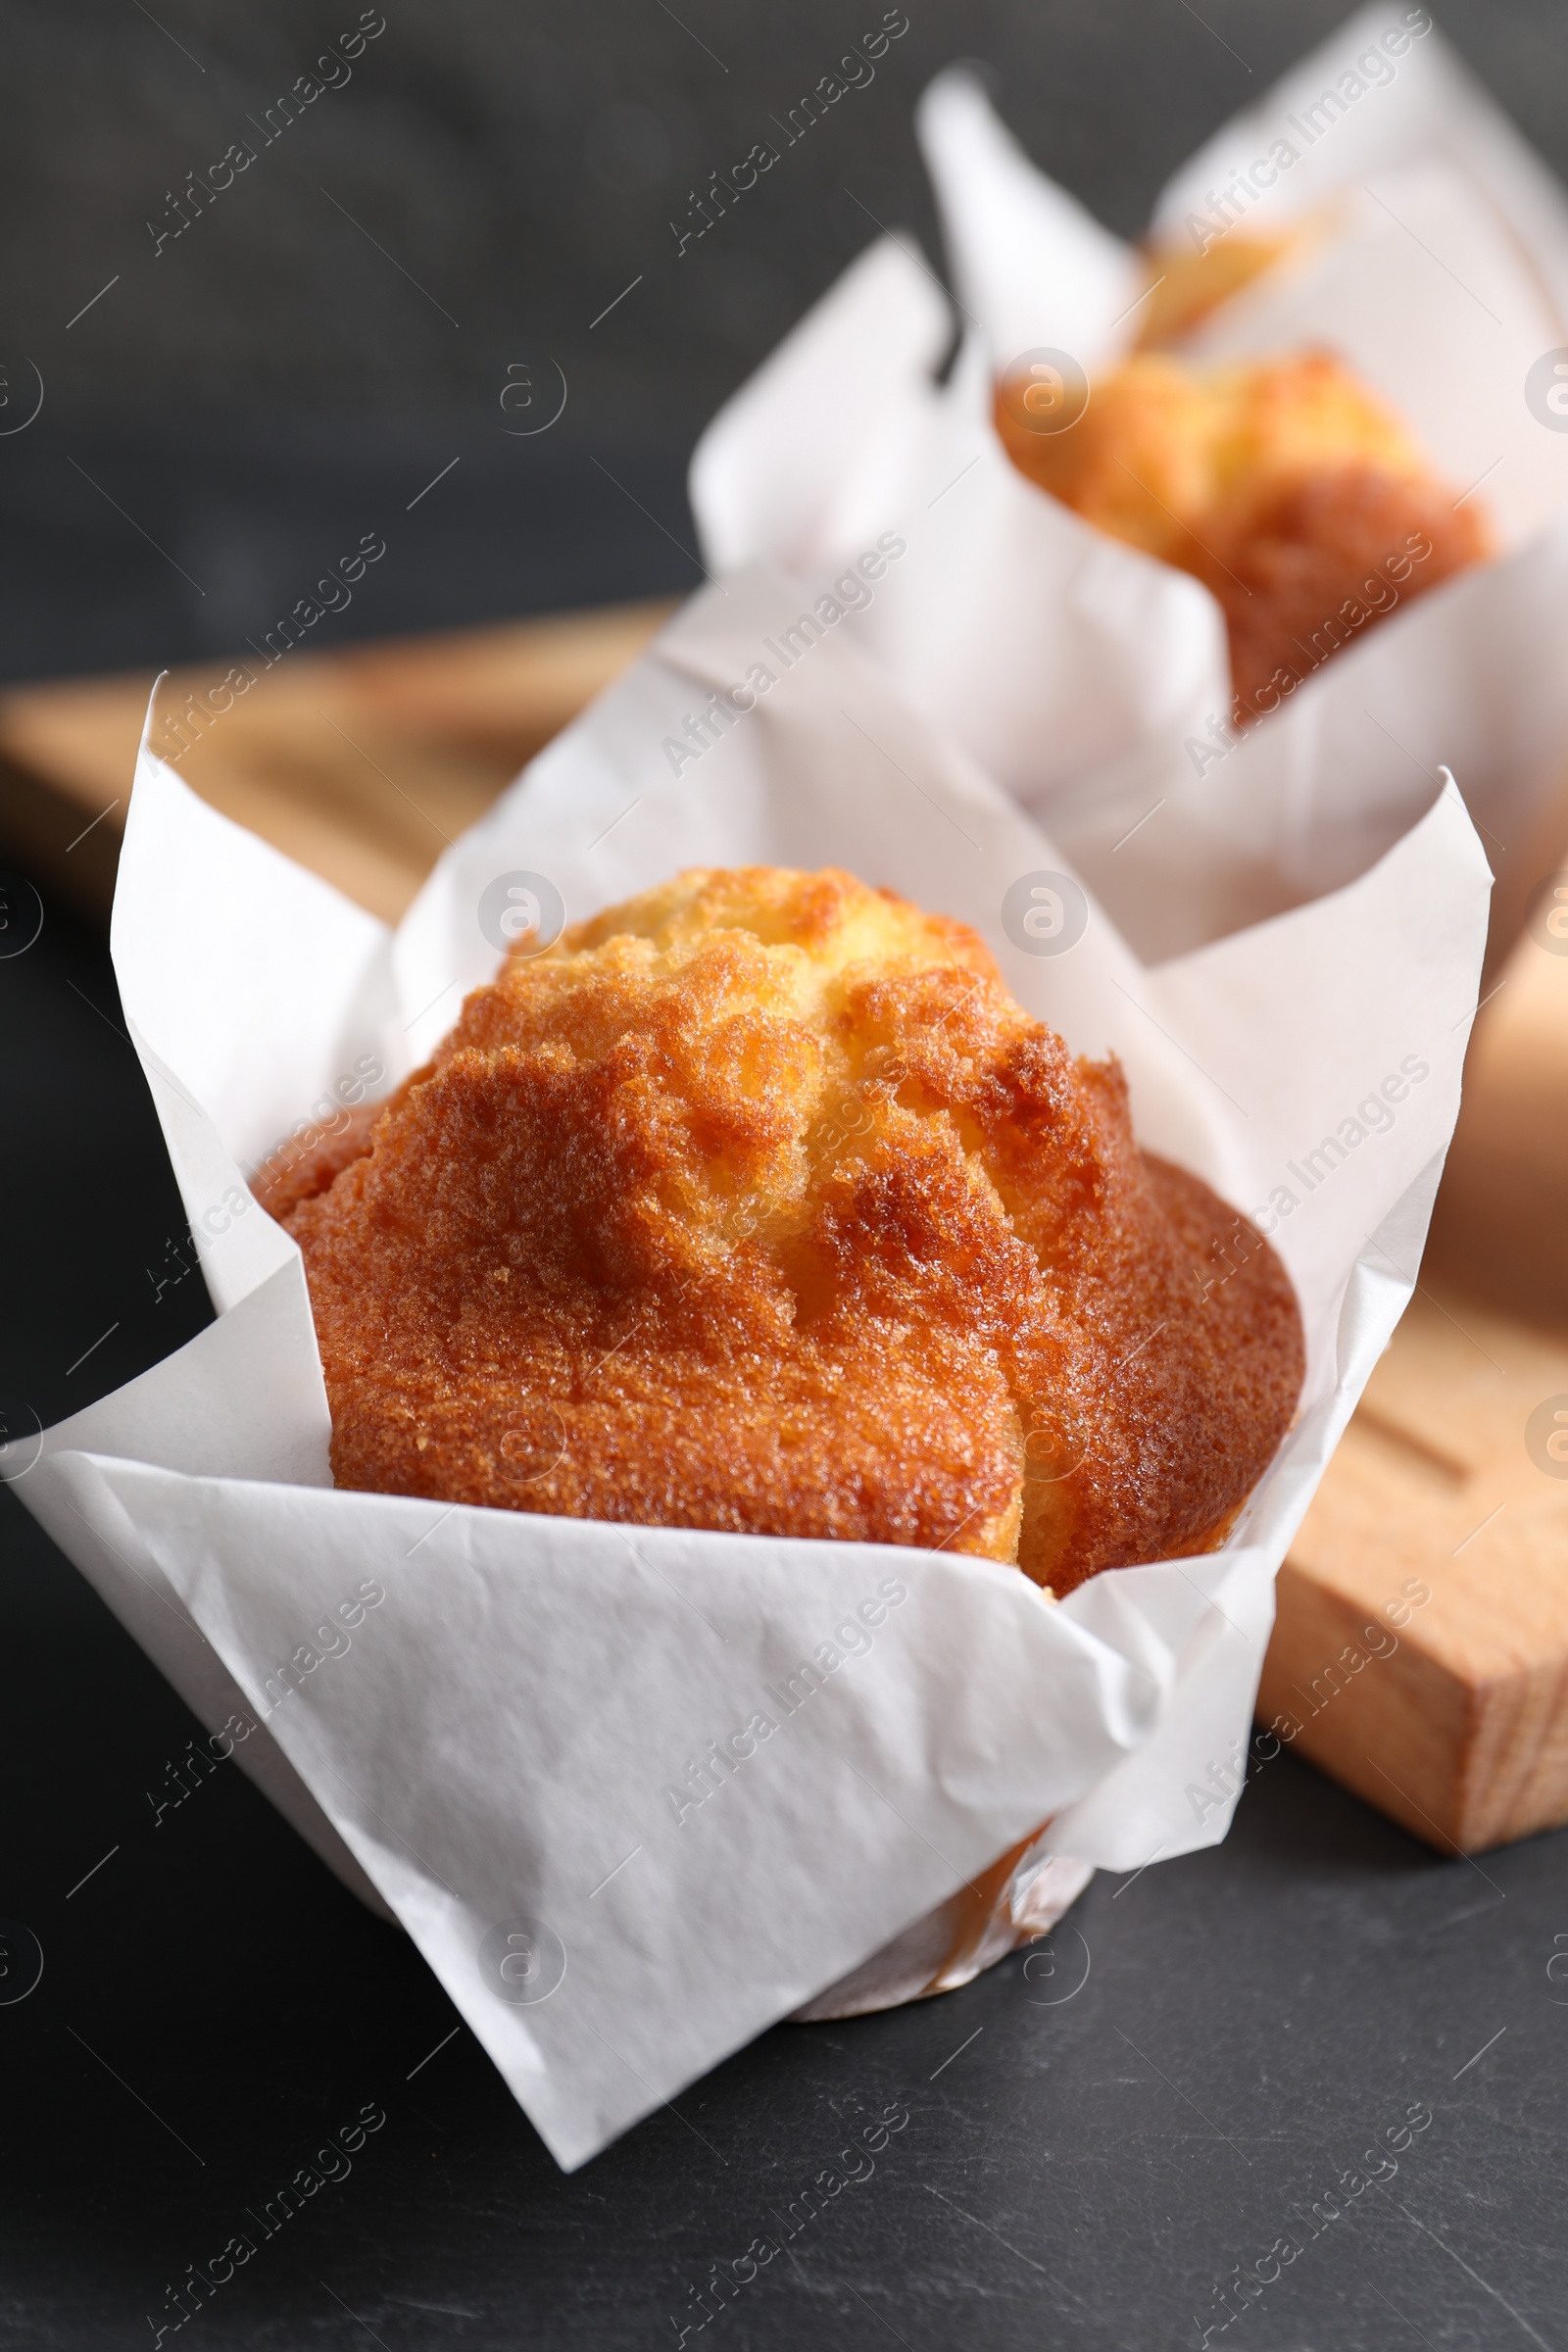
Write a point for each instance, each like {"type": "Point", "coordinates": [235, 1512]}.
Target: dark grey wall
{"type": "Point", "coordinates": [275, 372]}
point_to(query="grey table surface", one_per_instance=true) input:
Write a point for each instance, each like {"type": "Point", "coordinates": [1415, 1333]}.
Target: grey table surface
{"type": "Point", "coordinates": [1099, 2138]}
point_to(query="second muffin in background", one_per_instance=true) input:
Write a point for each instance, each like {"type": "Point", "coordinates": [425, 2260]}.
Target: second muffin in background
{"type": "Point", "coordinates": [1299, 499]}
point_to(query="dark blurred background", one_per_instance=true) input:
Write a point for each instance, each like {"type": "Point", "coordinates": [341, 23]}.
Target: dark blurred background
{"type": "Point", "coordinates": [332, 331]}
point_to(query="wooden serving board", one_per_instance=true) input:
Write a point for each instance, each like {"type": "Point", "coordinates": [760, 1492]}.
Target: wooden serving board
{"type": "Point", "coordinates": [361, 765]}
{"type": "Point", "coordinates": [1450, 1711]}
{"type": "Point", "coordinates": [1421, 1649]}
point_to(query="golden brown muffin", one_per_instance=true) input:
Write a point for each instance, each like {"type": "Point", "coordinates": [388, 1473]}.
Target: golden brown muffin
{"type": "Point", "coordinates": [758, 1203]}
{"type": "Point", "coordinates": [1282, 484]}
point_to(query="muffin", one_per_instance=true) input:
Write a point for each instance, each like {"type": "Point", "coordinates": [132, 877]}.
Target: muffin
{"type": "Point", "coordinates": [1298, 499]}
{"type": "Point", "coordinates": [758, 1203]}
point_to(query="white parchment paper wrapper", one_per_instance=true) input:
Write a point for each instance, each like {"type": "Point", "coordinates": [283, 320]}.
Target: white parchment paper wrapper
{"type": "Point", "coordinates": [1089, 680]}
{"type": "Point", "coordinates": [490, 1749]}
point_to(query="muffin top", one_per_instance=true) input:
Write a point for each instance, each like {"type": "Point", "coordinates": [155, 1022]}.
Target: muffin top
{"type": "Point", "coordinates": [758, 1203]}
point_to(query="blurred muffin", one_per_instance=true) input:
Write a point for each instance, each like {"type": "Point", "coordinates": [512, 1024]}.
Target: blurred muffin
{"type": "Point", "coordinates": [758, 1203]}
{"type": "Point", "coordinates": [1297, 498]}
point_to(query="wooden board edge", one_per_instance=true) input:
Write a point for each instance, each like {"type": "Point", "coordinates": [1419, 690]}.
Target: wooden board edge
{"type": "Point", "coordinates": [57, 844]}
{"type": "Point", "coordinates": [1463, 1765]}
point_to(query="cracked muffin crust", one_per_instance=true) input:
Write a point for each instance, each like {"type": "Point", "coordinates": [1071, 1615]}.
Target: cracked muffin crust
{"type": "Point", "coordinates": [758, 1203]}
